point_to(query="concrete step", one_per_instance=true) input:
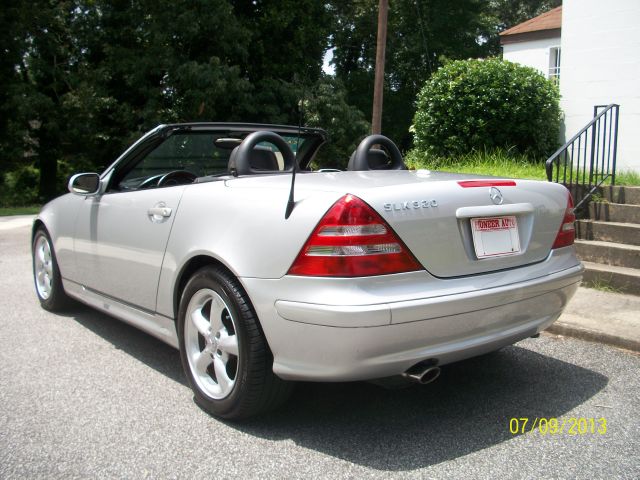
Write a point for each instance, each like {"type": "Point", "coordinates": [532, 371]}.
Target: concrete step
{"type": "Point", "coordinates": [619, 279]}
{"type": "Point", "coordinates": [609, 253]}
{"type": "Point", "coordinates": [615, 194]}
{"type": "Point", "coordinates": [614, 212]}
{"type": "Point", "coordinates": [626, 195]}
{"type": "Point", "coordinates": [617, 232]}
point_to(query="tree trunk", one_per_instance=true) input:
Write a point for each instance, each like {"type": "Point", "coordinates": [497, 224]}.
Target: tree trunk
{"type": "Point", "coordinates": [48, 163]}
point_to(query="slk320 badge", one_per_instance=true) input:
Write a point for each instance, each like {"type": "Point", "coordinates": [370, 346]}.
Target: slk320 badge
{"type": "Point", "coordinates": [410, 205]}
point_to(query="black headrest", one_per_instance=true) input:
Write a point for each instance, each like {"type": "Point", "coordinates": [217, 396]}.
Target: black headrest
{"type": "Point", "coordinates": [377, 159]}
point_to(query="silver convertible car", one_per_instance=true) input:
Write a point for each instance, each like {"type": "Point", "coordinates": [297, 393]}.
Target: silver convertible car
{"type": "Point", "coordinates": [263, 269]}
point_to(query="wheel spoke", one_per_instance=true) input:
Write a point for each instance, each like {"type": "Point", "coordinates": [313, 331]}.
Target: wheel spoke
{"type": "Point", "coordinates": [221, 374]}
{"type": "Point", "coordinates": [202, 360]}
{"type": "Point", "coordinates": [215, 315]}
{"type": "Point", "coordinates": [41, 254]}
{"type": "Point", "coordinates": [201, 323]}
{"type": "Point", "coordinates": [229, 344]}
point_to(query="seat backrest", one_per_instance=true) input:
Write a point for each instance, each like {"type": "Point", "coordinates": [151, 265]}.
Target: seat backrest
{"type": "Point", "coordinates": [377, 159]}
{"type": "Point", "coordinates": [261, 158]}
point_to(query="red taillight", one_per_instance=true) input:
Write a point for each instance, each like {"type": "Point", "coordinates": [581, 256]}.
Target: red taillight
{"type": "Point", "coordinates": [352, 240]}
{"type": "Point", "coordinates": [567, 233]}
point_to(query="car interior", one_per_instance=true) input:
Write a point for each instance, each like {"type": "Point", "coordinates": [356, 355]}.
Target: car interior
{"type": "Point", "coordinates": [187, 156]}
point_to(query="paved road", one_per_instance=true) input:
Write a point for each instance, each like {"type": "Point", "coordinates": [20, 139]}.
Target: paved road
{"type": "Point", "coordinates": [85, 396]}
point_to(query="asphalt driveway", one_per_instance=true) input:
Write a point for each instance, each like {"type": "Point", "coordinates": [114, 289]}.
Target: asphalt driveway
{"type": "Point", "coordinates": [84, 395]}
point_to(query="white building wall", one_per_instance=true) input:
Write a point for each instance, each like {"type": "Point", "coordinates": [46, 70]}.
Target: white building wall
{"type": "Point", "coordinates": [601, 65]}
{"type": "Point", "coordinates": [532, 53]}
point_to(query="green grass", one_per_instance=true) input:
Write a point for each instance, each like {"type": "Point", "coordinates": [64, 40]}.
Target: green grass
{"type": "Point", "coordinates": [499, 163]}
{"type": "Point", "coordinates": [602, 285]}
{"type": "Point", "coordinates": [30, 210]}
{"type": "Point", "coordinates": [624, 178]}
{"type": "Point", "coordinates": [628, 178]}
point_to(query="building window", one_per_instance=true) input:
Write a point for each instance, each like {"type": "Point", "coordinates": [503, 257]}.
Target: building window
{"type": "Point", "coordinates": [554, 64]}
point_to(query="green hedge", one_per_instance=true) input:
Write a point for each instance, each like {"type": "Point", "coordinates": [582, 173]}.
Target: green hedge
{"type": "Point", "coordinates": [20, 186]}
{"type": "Point", "coordinates": [472, 105]}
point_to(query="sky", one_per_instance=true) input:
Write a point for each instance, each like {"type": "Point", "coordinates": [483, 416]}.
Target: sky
{"type": "Point", "coordinates": [326, 64]}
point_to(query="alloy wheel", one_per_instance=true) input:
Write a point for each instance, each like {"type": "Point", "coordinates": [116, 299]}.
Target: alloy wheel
{"type": "Point", "coordinates": [43, 270]}
{"type": "Point", "coordinates": [211, 343]}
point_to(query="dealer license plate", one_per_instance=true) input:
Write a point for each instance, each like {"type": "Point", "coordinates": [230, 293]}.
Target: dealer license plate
{"type": "Point", "coordinates": [495, 236]}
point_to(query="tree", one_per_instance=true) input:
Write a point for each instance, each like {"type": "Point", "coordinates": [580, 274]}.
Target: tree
{"type": "Point", "coordinates": [420, 34]}
{"type": "Point", "coordinates": [287, 41]}
{"type": "Point", "coordinates": [199, 61]}
{"type": "Point", "coordinates": [325, 106]}
{"type": "Point", "coordinates": [505, 14]}
{"type": "Point", "coordinates": [80, 79]}
{"type": "Point", "coordinates": [12, 20]}
{"type": "Point", "coordinates": [509, 13]}
{"type": "Point", "coordinates": [45, 65]}
{"type": "Point", "coordinates": [144, 64]}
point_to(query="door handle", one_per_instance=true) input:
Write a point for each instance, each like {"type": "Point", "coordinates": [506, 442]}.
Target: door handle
{"type": "Point", "coordinates": [159, 212]}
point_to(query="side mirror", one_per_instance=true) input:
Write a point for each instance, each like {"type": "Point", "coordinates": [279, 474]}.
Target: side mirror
{"type": "Point", "coordinates": [85, 184]}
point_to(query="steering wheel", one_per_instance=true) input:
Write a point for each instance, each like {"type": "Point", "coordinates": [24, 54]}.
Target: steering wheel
{"type": "Point", "coordinates": [240, 160]}
{"type": "Point", "coordinates": [176, 177]}
{"type": "Point", "coordinates": [360, 160]}
{"type": "Point", "coordinates": [149, 182]}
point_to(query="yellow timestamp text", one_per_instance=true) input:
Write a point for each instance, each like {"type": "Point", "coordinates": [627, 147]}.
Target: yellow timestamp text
{"type": "Point", "coordinates": [558, 426]}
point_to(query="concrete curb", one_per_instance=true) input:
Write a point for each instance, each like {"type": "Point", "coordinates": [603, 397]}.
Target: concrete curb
{"type": "Point", "coordinates": [589, 335]}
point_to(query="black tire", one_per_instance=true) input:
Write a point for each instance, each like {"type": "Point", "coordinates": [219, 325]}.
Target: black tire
{"type": "Point", "coordinates": [256, 388]}
{"type": "Point", "coordinates": [52, 298]}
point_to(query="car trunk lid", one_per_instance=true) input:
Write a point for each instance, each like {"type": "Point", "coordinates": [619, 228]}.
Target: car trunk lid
{"type": "Point", "coordinates": [433, 213]}
{"type": "Point", "coordinates": [456, 228]}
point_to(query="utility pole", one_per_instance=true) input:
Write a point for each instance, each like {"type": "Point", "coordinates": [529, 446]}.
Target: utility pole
{"type": "Point", "coordinates": [378, 87]}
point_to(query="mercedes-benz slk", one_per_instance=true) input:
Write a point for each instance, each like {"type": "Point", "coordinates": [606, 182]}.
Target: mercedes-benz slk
{"type": "Point", "coordinates": [264, 269]}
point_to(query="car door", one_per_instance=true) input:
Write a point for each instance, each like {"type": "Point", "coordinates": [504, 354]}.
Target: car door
{"type": "Point", "coordinates": [120, 243]}
{"type": "Point", "coordinates": [121, 235]}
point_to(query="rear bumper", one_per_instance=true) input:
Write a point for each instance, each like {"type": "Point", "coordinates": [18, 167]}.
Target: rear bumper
{"type": "Point", "coordinates": [338, 341]}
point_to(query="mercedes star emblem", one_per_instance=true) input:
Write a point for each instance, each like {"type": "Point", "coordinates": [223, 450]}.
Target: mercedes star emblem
{"type": "Point", "coordinates": [496, 196]}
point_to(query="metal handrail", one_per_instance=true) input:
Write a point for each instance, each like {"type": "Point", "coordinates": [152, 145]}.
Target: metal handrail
{"type": "Point", "coordinates": [591, 154]}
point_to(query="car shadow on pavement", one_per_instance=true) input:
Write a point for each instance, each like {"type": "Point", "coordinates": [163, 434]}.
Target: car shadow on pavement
{"type": "Point", "coordinates": [143, 347]}
{"type": "Point", "coordinates": [465, 410]}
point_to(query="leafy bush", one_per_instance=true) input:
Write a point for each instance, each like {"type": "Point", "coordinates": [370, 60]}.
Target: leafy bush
{"type": "Point", "coordinates": [20, 187]}
{"type": "Point", "coordinates": [485, 104]}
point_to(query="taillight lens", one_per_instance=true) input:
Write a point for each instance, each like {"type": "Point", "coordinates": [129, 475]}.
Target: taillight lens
{"type": "Point", "coordinates": [352, 240]}
{"type": "Point", "coordinates": [567, 233]}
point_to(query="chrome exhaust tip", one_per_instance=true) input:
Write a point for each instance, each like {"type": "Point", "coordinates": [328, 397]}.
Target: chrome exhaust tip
{"type": "Point", "coordinates": [422, 374]}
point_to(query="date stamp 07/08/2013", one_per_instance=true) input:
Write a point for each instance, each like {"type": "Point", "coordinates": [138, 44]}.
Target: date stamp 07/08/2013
{"type": "Point", "coordinates": [558, 426]}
